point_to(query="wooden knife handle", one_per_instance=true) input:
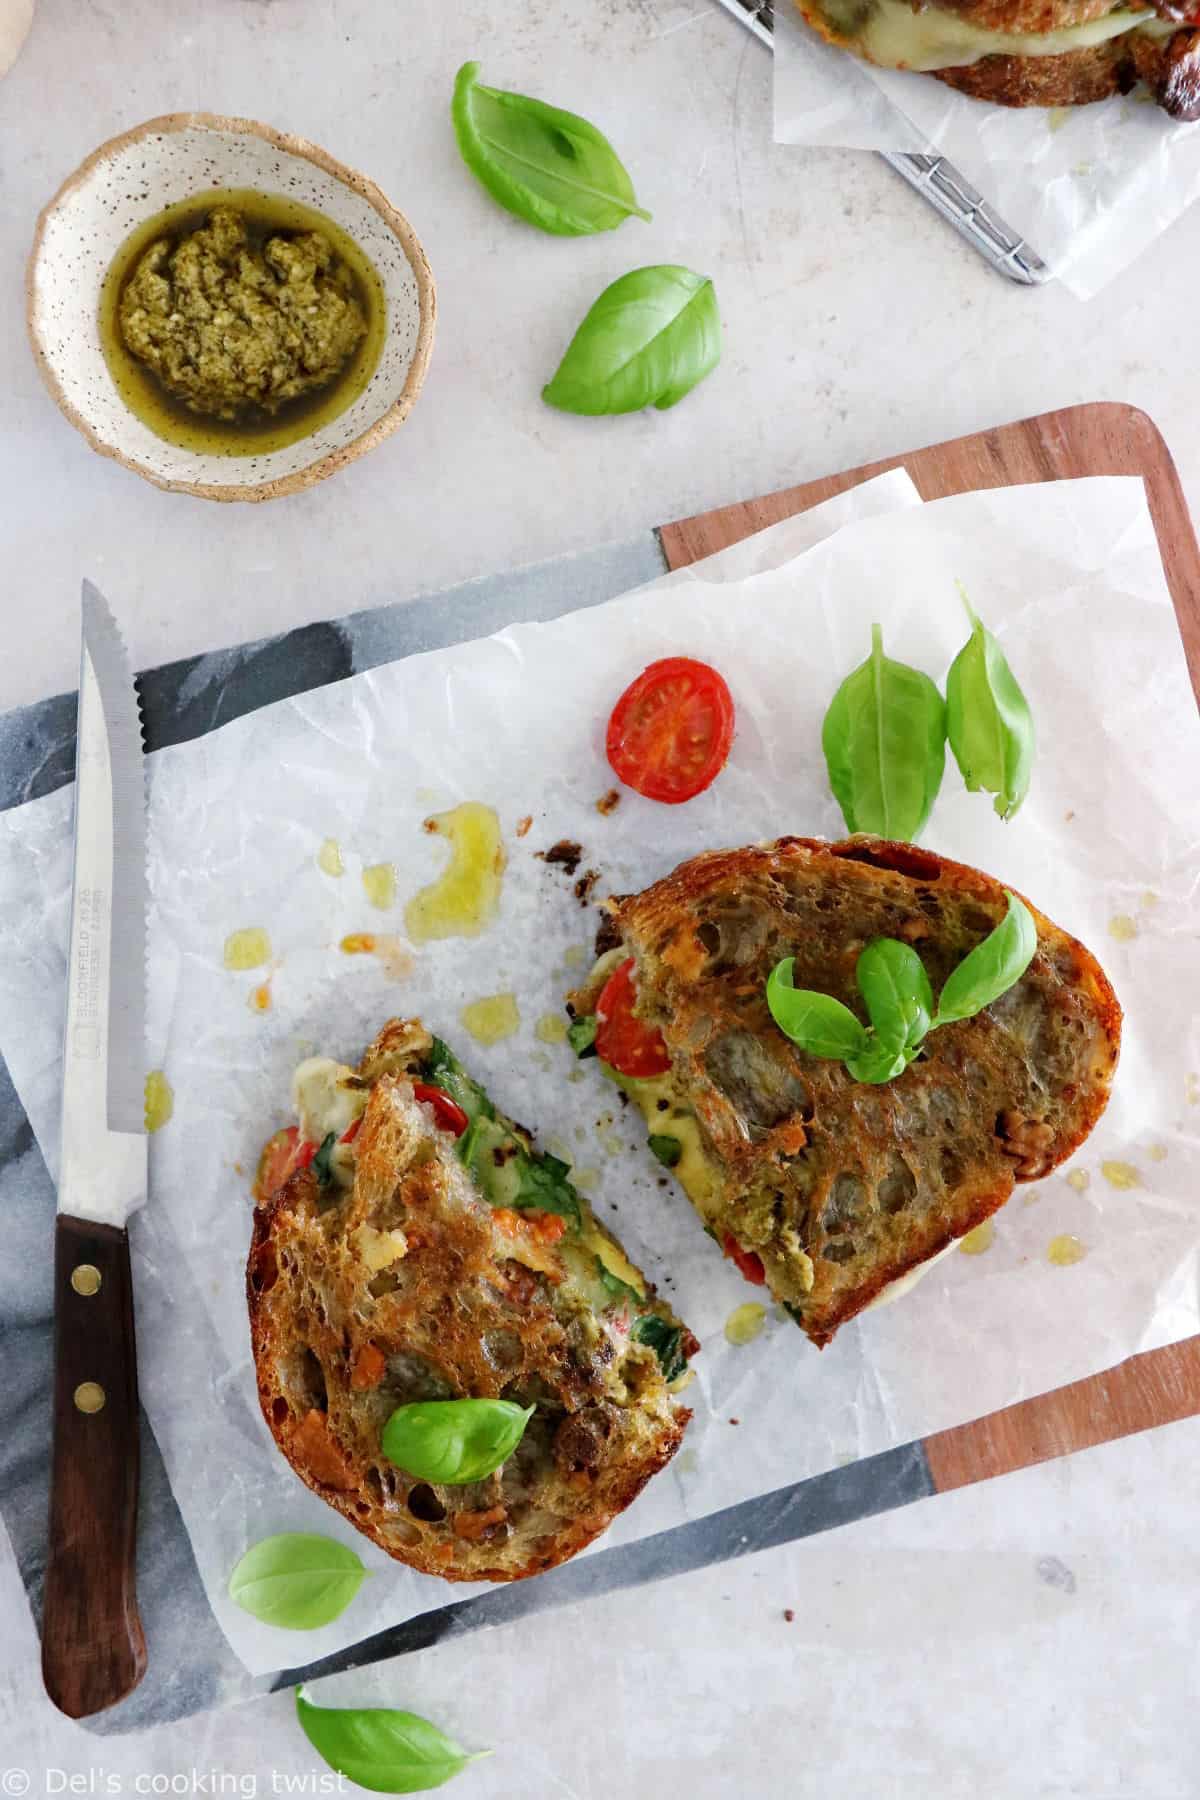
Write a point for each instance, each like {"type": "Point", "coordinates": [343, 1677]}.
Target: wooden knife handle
{"type": "Point", "coordinates": [93, 1648]}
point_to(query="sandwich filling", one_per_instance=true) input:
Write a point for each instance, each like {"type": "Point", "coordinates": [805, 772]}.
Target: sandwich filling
{"type": "Point", "coordinates": [891, 34]}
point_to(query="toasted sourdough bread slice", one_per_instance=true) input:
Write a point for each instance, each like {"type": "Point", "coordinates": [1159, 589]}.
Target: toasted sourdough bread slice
{"type": "Point", "coordinates": [1026, 52]}
{"type": "Point", "coordinates": [407, 1285]}
{"type": "Point", "coordinates": [839, 1188]}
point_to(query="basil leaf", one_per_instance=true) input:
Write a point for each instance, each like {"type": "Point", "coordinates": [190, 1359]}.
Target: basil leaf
{"type": "Point", "coordinates": [546, 166]}
{"type": "Point", "coordinates": [817, 1022]}
{"type": "Point", "coordinates": [385, 1751]}
{"type": "Point", "coordinates": [646, 341]}
{"type": "Point", "coordinates": [454, 1441]}
{"type": "Point", "coordinates": [581, 1035]}
{"type": "Point", "coordinates": [666, 1341]}
{"type": "Point", "coordinates": [884, 738]}
{"type": "Point", "coordinates": [442, 1068]}
{"type": "Point", "coordinates": [320, 1162]}
{"type": "Point", "coordinates": [297, 1580]}
{"type": "Point", "coordinates": [988, 720]}
{"type": "Point", "coordinates": [879, 1062]}
{"type": "Point", "coordinates": [668, 1149]}
{"type": "Point", "coordinates": [896, 992]}
{"type": "Point", "coordinates": [991, 968]}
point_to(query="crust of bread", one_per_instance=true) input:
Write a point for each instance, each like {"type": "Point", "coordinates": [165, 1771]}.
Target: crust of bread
{"type": "Point", "coordinates": [1170, 67]}
{"type": "Point", "coordinates": [838, 1187]}
{"type": "Point", "coordinates": [404, 1287]}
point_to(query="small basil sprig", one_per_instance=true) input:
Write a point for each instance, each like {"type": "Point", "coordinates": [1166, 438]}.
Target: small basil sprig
{"type": "Point", "coordinates": [884, 739]}
{"type": "Point", "coordinates": [646, 341]}
{"type": "Point", "coordinates": [548, 167]}
{"type": "Point", "coordinates": [382, 1750]}
{"type": "Point", "coordinates": [899, 1000]}
{"type": "Point", "coordinates": [297, 1580]}
{"type": "Point", "coordinates": [991, 968]}
{"type": "Point", "coordinates": [454, 1441]}
{"type": "Point", "coordinates": [988, 720]}
{"type": "Point", "coordinates": [665, 1340]}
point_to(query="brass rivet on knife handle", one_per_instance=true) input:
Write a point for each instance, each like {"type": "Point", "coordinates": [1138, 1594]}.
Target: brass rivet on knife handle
{"type": "Point", "coordinates": [86, 1279]}
{"type": "Point", "coordinates": [93, 1650]}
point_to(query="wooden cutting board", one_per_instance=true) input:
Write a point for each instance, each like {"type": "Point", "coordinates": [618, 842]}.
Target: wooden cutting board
{"type": "Point", "coordinates": [1101, 439]}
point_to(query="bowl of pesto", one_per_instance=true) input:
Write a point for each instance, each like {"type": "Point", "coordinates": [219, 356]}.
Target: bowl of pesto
{"type": "Point", "coordinates": [226, 309]}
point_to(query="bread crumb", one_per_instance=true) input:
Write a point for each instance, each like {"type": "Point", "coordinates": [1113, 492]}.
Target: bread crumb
{"type": "Point", "coordinates": [524, 824]}
{"type": "Point", "coordinates": [788, 1615]}
{"type": "Point", "coordinates": [608, 803]}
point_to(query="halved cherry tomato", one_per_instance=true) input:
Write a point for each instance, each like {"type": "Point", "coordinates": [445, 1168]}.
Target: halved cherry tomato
{"type": "Point", "coordinates": [349, 1135]}
{"type": "Point", "coordinates": [281, 1156]}
{"type": "Point", "coordinates": [625, 1042]}
{"type": "Point", "coordinates": [670, 732]}
{"type": "Point", "coordinates": [449, 1115]}
{"type": "Point", "coordinates": [747, 1262]}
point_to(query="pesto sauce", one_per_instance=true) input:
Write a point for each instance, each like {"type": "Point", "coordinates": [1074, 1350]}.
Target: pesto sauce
{"type": "Point", "coordinates": [256, 433]}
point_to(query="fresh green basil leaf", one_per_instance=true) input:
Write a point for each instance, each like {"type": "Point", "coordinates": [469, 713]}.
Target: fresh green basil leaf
{"type": "Point", "coordinates": [581, 1035]}
{"type": "Point", "coordinates": [668, 1149]}
{"type": "Point", "coordinates": [666, 1341]}
{"type": "Point", "coordinates": [988, 720]}
{"type": "Point", "coordinates": [454, 1441]}
{"type": "Point", "coordinates": [991, 968]}
{"type": "Point", "coordinates": [646, 341]}
{"type": "Point", "coordinates": [297, 1580]}
{"type": "Point", "coordinates": [817, 1022]}
{"type": "Point", "coordinates": [385, 1751]}
{"type": "Point", "coordinates": [896, 993]}
{"type": "Point", "coordinates": [548, 167]}
{"type": "Point", "coordinates": [442, 1068]}
{"type": "Point", "coordinates": [879, 1062]}
{"type": "Point", "coordinates": [320, 1162]}
{"type": "Point", "coordinates": [884, 738]}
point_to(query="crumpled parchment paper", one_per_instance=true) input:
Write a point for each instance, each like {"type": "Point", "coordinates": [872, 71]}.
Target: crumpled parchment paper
{"type": "Point", "coordinates": [1090, 187]}
{"type": "Point", "coordinates": [1068, 576]}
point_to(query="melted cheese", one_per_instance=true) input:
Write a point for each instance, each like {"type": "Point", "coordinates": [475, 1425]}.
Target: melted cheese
{"type": "Point", "coordinates": [891, 34]}
{"type": "Point", "coordinates": [694, 1171]}
{"type": "Point", "coordinates": [904, 1284]}
{"type": "Point", "coordinates": [322, 1102]}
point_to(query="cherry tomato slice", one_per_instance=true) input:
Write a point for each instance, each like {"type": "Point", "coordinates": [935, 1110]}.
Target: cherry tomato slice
{"type": "Point", "coordinates": [276, 1163]}
{"type": "Point", "coordinates": [670, 732]}
{"type": "Point", "coordinates": [747, 1262]}
{"type": "Point", "coordinates": [625, 1042]}
{"type": "Point", "coordinates": [449, 1115]}
{"type": "Point", "coordinates": [348, 1136]}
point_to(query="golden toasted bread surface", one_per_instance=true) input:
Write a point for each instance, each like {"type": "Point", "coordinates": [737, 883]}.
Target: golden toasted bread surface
{"type": "Point", "coordinates": [838, 1187]}
{"type": "Point", "coordinates": [406, 1285]}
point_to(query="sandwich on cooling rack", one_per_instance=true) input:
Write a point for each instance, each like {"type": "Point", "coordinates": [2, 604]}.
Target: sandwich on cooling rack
{"type": "Point", "coordinates": [450, 1349]}
{"type": "Point", "coordinates": [848, 1054]}
{"type": "Point", "coordinates": [1027, 52]}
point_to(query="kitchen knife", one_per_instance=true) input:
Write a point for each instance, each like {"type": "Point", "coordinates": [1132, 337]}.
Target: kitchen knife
{"type": "Point", "coordinates": [93, 1649]}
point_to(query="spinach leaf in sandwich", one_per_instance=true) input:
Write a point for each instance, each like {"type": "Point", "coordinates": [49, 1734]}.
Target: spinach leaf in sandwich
{"type": "Point", "coordinates": [443, 1069]}
{"type": "Point", "coordinates": [581, 1035]}
{"type": "Point", "coordinates": [665, 1340]}
{"type": "Point", "coordinates": [543, 1186]}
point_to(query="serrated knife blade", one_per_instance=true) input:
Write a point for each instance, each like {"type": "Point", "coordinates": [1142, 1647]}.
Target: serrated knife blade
{"type": "Point", "coordinates": [93, 1649]}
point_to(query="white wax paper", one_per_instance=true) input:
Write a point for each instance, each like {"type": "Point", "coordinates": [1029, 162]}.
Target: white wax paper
{"type": "Point", "coordinates": [1068, 576]}
{"type": "Point", "coordinates": [1089, 187]}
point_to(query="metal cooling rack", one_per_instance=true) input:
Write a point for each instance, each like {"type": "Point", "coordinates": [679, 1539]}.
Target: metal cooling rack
{"type": "Point", "coordinates": [948, 192]}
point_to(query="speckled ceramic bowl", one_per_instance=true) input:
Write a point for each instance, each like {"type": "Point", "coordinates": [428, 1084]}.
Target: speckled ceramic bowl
{"type": "Point", "coordinates": [129, 180]}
